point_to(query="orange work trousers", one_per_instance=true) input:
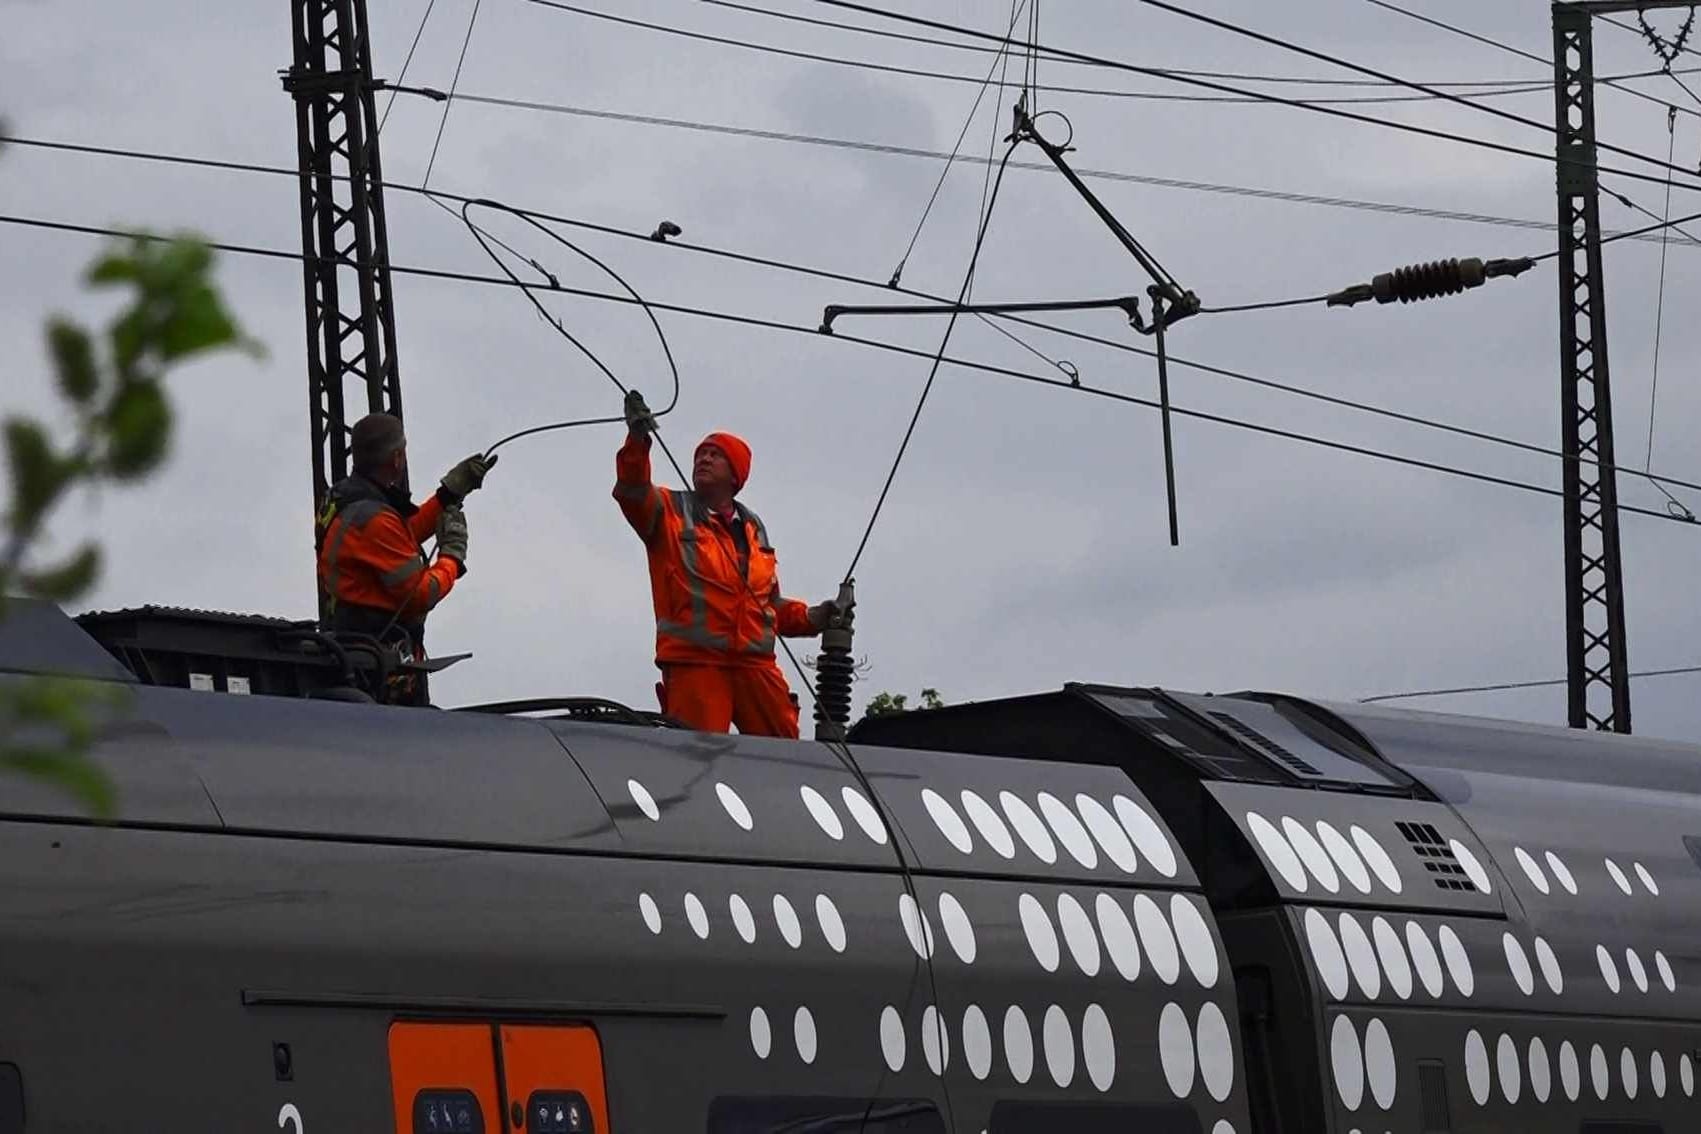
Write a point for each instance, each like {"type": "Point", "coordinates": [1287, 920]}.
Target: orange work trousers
{"type": "Point", "coordinates": [712, 698]}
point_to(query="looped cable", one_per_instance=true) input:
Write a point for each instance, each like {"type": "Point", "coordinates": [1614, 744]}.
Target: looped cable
{"type": "Point", "coordinates": [561, 329]}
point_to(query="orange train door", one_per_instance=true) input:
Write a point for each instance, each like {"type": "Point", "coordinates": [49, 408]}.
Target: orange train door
{"type": "Point", "coordinates": [446, 1078]}
{"type": "Point", "coordinates": [554, 1077]}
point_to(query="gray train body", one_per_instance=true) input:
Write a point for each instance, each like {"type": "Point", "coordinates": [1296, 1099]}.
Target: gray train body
{"type": "Point", "coordinates": [1092, 910]}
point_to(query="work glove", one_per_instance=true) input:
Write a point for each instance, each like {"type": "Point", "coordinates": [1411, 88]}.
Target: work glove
{"type": "Point", "coordinates": [467, 477]}
{"type": "Point", "coordinates": [452, 535]}
{"type": "Point", "coordinates": [822, 614]}
{"type": "Point", "coordinates": [639, 419]}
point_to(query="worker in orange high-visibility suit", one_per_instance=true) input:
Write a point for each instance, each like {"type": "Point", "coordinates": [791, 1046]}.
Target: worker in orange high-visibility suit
{"type": "Point", "coordinates": [373, 567]}
{"type": "Point", "coordinates": [713, 579]}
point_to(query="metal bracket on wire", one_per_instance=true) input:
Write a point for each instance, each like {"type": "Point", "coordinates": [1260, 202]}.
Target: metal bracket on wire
{"type": "Point", "coordinates": [1170, 302]}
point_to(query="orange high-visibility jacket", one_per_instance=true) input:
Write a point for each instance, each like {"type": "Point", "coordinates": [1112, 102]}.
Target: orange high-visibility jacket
{"type": "Point", "coordinates": [713, 606]}
{"type": "Point", "coordinates": [371, 559]}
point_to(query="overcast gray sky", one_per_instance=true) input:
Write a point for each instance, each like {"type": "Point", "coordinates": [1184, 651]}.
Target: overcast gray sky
{"type": "Point", "coordinates": [1024, 542]}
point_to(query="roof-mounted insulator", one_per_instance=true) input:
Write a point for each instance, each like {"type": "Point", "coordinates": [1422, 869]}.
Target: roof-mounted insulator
{"type": "Point", "coordinates": [1429, 281]}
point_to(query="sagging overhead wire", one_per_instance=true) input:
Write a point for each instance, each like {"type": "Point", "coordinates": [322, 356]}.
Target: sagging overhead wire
{"type": "Point", "coordinates": [296, 257]}
{"type": "Point", "coordinates": [933, 371]}
{"type": "Point", "coordinates": [1238, 97]}
{"type": "Point", "coordinates": [1673, 504]}
{"type": "Point", "coordinates": [1613, 81]}
{"type": "Point", "coordinates": [454, 83]}
{"type": "Point", "coordinates": [1279, 100]}
{"type": "Point", "coordinates": [406, 63]}
{"type": "Point", "coordinates": [479, 235]}
{"type": "Point", "coordinates": [438, 197]}
{"type": "Point", "coordinates": [1234, 76]}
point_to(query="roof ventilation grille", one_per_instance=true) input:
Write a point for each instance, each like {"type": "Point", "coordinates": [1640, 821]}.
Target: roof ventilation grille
{"type": "Point", "coordinates": [1265, 745]}
{"type": "Point", "coordinates": [1437, 857]}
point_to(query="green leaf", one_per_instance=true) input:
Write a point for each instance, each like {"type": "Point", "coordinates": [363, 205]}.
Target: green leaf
{"type": "Point", "coordinates": [38, 475]}
{"type": "Point", "coordinates": [197, 321]}
{"type": "Point", "coordinates": [67, 580]}
{"type": "Point", "coordinates": [139, 427]}
{"type": "Point", "coordinates": [73, 356]}
{"type": "Point", "coordinates": [71, 771]}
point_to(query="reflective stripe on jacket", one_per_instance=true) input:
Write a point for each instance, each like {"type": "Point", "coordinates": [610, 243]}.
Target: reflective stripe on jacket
{"type": "Point", "coordinates": [371, 553]}
{"type": "Point", "coordinates": [712, 604]}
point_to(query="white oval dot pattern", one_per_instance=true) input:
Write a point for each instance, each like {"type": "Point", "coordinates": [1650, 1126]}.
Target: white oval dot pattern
{"type": "Point", "coordinates": [946, 819]}
{"type": "Point", "coordinates": [1609, 968]}
{"type": "Point", "coordinates": [1311, 853]}
{"type": "Point", "coordinates": [761, 1033]}
{"type": "Point", "coordinates": [1042, 938]}
{"type": "Point", "coordinates": [1618, 877]}
{"type": "Point", "coordinates": [1458, 961]}
{"type": "Point", "coordinates": [733, 804]}
{"type": "Point", "coordinates": [1068, 830]}
{"type": "Point", "coordinates": [1381, 1069]}
{"type": "Point", "coordinates": [1346, 1060]}
{"type": "Point", "coordinates": [1541, 1074]}
{"type": "Point", "coordinates": [977, 1042]}
{"type": "Point", "coordinates": [1326, 954]}
{"type": "Point", "coordinates": [803, 1034]}
{"type": "Point", "coordinates": [959, 931]}
{"type": "Point", "coordinates": [1600, 1074]}
{"type": "Point", "coordinates": [1511, 1075]}
{"type": "Point", "coordinates": [1551, 971]}
{"type": "Point", "coordinates": [1532, 870]}
{"type": "Point", "coordinates": [822, 812]}
{"type": "Point", "coordinates": [1425, 959]}
{"type": "Point", "coordinates": [651, 914]}
{"type": "Point", "coordinates": [1150, 842]}
{"type": "Point", "coordinates": [1667, 977]}
{"type": "Point", "coordinates": [645, 801]}
{"type": "Point", "coordinates": [832, 925]}
{"type": "Point", "coordinates": [1120, 942]}
{"type": "Point", "coordinates": [1647, 879]}
{"type": "Point", "coordinates": [1570, 1072]}
{"type": "Point", "coordinates": [1361, 956]}
{"type": "Point", "coordinates": [916, 927]}
{"type": "Point", "coordinates": [1098, 1048]}
{"type": "Point", "coordinates": [935, 1044]}
{"type": "Point", "coordinates": [1395, 966]}
{"type": "Point", "coordinates": [785, 917]}
{"type": "Point", "coordinates": [1519, 962]}
{"type": "Point", "coordinates": [1347, 860]}
{"type": "Point", "coordinates": [1193, 935]}
{"type": "Point", "coordinates": [697, 916]}
{"type": "Point", "coordinates": [864, 814]}
{"type": "Point", "coordinates": [987, 821]}
{"type": "Point", "coordinates": [892, 1041]}
{"type": "Point", "coordinates": [1473, 867]}
{"type": "Point", "coordinates": [1477, 1073]}
{"type": "Point", "coordinates": [1175, 1050]}
{"type": "Point", "coordinates": [1029, 827]}
{"type": "Point", "coordinates": [1278, 852]}
{"type": "Point", "coordinates": [1059, 1046]}
{"type": "Point", "coordinates": [1107, 833]}
{"type": "Point", "coordinates": [1216, 1053]}
{"type": "Point", "coordinates": [1633, 965]}
{"type": "Point", "coordinates": [1078, 934]}
{"type": "Point", "coordinates": [1155, 935]}
{"type": "Point", "coordinates": [742, 919]}
{"type": "Point", "coordinates": [1377, 858]}
{"type": "Point", "coordinates": [1562, 873]}
{"type": "Point", "coordinates": [1018, 1045]}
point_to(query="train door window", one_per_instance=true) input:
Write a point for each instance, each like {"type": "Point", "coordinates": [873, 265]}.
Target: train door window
{"type": "Point", "coordinates": [443, 1079]}
{"type": "Point", "coordinates": [554, 1078]}
{"type": "Point", "coordinates": [774, 1115]}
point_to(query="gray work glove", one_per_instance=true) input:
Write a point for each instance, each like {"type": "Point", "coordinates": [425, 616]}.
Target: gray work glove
{"type": "Point", "coordinates": [639, 419]}
{"type": "Point", "coordinates": [467, 477]}
{"type": "Point", "coordinates": [821, 615]}
{"type": "Point", "coordinates": [452, 535]}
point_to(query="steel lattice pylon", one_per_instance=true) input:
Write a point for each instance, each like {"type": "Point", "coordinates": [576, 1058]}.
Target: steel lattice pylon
{"type": "Point", "coordinates": [351, 327]}
{"type": "Point", "coordinates": [1599, 679]}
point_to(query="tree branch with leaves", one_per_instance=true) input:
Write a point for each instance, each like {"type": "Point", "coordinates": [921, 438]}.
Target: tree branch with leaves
{"type": "Point", "coordinates": [113, 385]}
